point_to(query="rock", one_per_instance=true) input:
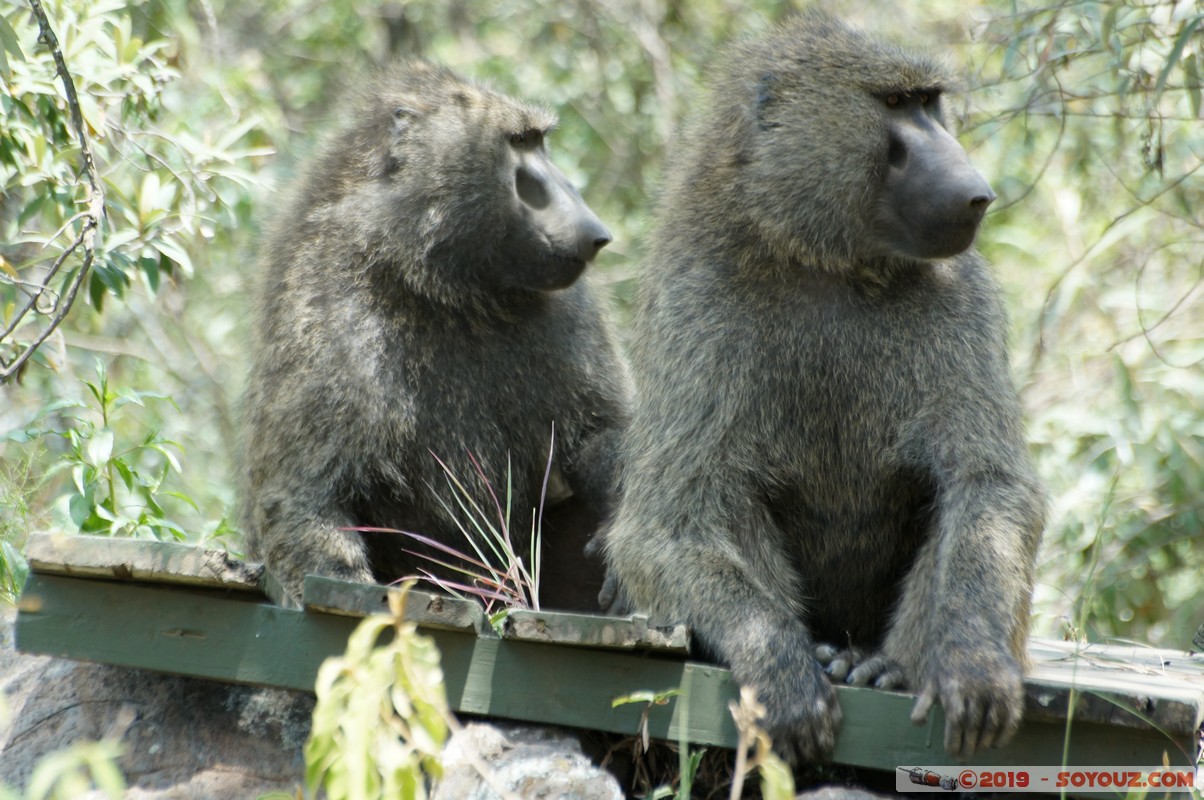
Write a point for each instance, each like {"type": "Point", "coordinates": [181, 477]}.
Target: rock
{"type": "Point", "coordinates": [840, 793]}
{"type": "Point", "coordinates": [191, 739]}
{"type": "Point", "coordinates": [521, 761]}
{"type": "Point", "coordinates": [181, 738]}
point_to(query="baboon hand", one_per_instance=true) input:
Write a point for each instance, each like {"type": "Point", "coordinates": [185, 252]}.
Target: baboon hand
{"type": "Point", "coordinates": [802, 713]}
{"type": "Point", "coordinates": [982, 694]}
{"type": "Point", "coordinates": [611, 597]}
{"type": "Point", "coordinates": [852, 666]}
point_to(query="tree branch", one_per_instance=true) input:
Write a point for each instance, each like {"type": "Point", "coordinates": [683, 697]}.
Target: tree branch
{"type": "Point", "coordinates": [89, 219]}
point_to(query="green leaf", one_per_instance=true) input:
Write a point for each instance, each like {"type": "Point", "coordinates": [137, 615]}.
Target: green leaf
{"type": "Point", "coordinates": [172, 251]}
{"type": "Point", "coordinates": [150, 268]}
{"type": "Point", "coordinates": [9, 45]}
{"type": "Point", "coordinates": [112, 277]}
{"type": "Point", "coordinates": [1176, 53]}
{"type": "Point", "coordinates": [102, 762]}
{"type": "Point", "coordinates": [96, 292]}
{"type": "Point", "coordinates": [183, 498]}
{"type": "Point", "coordinates": [1191, 68]}
{"type": "Point", "coordinates": [127, 475]}
{"type": "Point", "coordinates": [80, 509]}
{"type": "Point", "coordinates": [13, 565]}
{"type": "Point", "coordinates": [777, 781]}
{"type": "Point", "coordinates": [168, 454]}
{"type": "Point", "coordinates": [100, 447]}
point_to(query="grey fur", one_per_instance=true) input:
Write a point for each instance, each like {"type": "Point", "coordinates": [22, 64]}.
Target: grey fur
{"type": "Point", "coordinates": [826, 445]}
{"type": "Point", "coordinates": [412, 305]}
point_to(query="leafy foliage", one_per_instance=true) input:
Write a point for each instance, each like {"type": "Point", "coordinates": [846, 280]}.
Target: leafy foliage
{"type": "Point", "coordinates": [77, 770]}
{"type": "Point", "coordinates": [164, 183]}
{"type": "Point", "coordinates": [1094, 108]}
{"type": "Point", "coordinates": [16, 486]}
{"type": "Point", "coordinates": [381, 716]}
{"type": "Point", "coordinates": [115, 486]}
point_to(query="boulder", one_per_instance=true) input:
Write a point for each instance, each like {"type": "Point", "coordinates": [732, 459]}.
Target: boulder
{"type": "Point", "coordinates": [498, 762]}
{"type": "Point", "coordinates": [181, 738]}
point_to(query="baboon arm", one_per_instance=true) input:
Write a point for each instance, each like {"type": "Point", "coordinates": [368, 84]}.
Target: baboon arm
{"type": "Point", "coordinates": [989, 526]}
{"type": "Point", "coordinates": [990, 509]}
{"type": "Point", "coordinates": [697, 541]}
{"type": "Point", "coordinates": [705, 579]}
{"type": "Point", "coordinates": [962, 620]}
{"type": "Point", "coordinates": [971, 581]}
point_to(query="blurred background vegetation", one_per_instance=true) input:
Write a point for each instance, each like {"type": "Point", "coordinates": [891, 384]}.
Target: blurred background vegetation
{"type": "Point", "coordinates": [1084, 115]}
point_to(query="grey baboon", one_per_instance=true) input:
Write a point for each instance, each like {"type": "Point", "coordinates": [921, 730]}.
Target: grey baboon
{"type": "Point", "coordinates": [420, 303]}
{"type": "Point", "coordinates": [826, 445]}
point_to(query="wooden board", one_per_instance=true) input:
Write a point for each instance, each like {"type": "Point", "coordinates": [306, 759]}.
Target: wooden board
{"type": "Point", "coordinates": [231, 637]}
{"type": "Point", "coordinates": [592, 630]}
{"type": "Point", "coordinates": [428, 610]}
{"type": "Point", "coordinates": [1117, 697]}
{"type": "Point", "coordinates": [331, 596]}
{"type": "Point", "coordinates": [137, 560]}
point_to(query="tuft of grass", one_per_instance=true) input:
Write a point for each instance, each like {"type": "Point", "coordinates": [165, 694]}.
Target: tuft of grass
{"type": "Point", "coordinates": [493, 570]}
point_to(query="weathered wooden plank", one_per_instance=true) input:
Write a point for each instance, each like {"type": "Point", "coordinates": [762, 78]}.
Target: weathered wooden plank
{"type": "Point", "coordinates": [591, 630]}
{"type": "Point", "coordinates": [220, 636]}
{"type": "Point", "coordinates": [332, 596]}
{"type": "Point", "coordinates": [132, 559]}
{"type": "Point", "coordinates": [1120, 685]}
{"type": "Point", "coordinates": [1111, 656]}
{"type": "Point", "coordinates": [1120, 701]}
{"type": "Point", "coordinates": [428, 610]}
{"type": "Point", "coordinates": [1111, 659]}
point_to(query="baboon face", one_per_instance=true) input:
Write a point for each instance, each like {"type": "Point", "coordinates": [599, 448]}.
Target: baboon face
{"type": "Point", "coordinates": [462, 173]}
{"type": "Point", "coordinates": [932, 199]}
{"type": "Point", "coordinates": [553, 233]}
{"type": "Point", "coordinates": [847, 151]}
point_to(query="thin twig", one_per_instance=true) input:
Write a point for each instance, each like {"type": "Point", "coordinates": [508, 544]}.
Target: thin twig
{"type": "Point", "coordinates": [90, 220]}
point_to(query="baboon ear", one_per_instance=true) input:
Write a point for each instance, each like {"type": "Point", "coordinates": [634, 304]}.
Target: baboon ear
{"type": "Point", "coordinates": [765, 98]}
{"type": "Point", "coordinates": [383, 161]}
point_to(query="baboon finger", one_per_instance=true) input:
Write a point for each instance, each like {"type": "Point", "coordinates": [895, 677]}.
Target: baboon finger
{"type": "Point", "coordinates": [1001, 724]}
{"type": "Point", "coordinates": [919, 712]}
{"type": "Point", "coordinates": [840, 668]}
{"type": "Point", "coordinates": [878, 671]}
{"type": "Point", "coordinates": [891, 679]}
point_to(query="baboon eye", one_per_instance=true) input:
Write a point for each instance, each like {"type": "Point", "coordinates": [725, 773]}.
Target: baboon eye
{"type": "Point", "coordinates": [528, 138]}
{"type": "Point", "coordinates": [892, 100]}
{"type": "Point", "coordinates": [923, 98]}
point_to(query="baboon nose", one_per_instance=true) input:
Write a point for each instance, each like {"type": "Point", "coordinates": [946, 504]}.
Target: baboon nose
{"type": "Point", "coordinates": [592, 240]}
{"type": "Point", "coordinates": [981, 202]}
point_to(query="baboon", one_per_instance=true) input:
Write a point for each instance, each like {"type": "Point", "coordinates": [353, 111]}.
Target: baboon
{"type": "Point", "coordinates": [420, 306]}
{"type": "Point", "coordinates": [826, 454]}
